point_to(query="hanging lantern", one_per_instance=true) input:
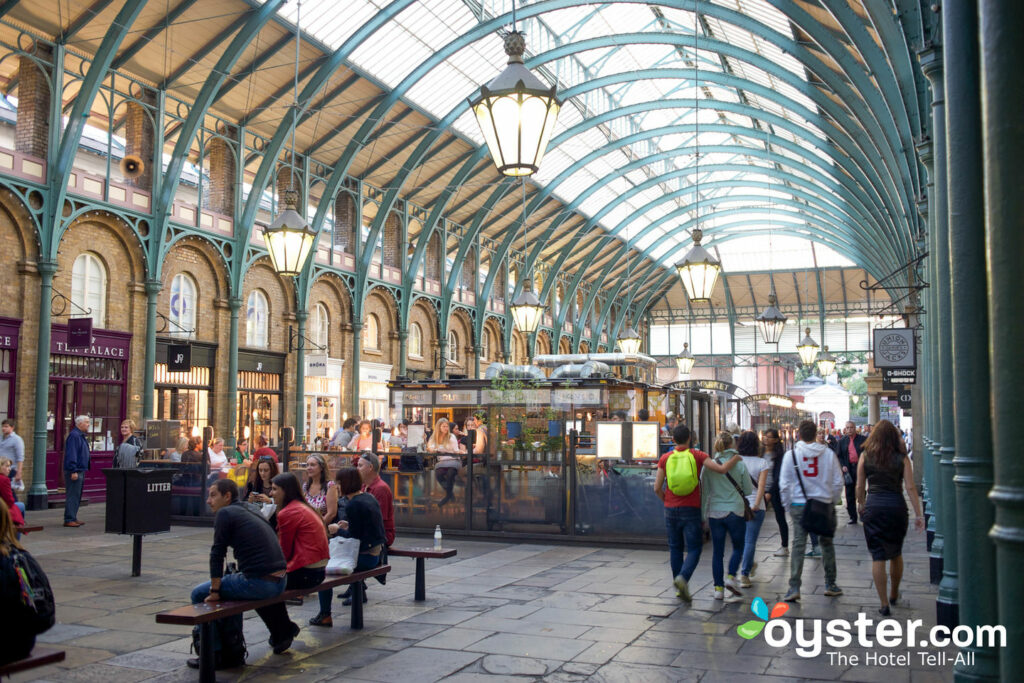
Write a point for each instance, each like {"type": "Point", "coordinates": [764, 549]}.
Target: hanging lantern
{"type": "Point", "coordinates": [808, 348]}
{"type": "Point", "coordinates": [699, 270]}
{"type": "Point", "coordinates": [685, 360]}
{"type": "Point", "coordinates": [826, 363]}
{"type": "Point", "coordinates": [516, 113]}
{"type": "Point", "coordinates": [771, 322]}
{"type": "Point", "coordinates": [289, 238]}
{"type": "Point", "coordinates": [527, 310]}
{"type": "Point", "coordinates": [629, 340]}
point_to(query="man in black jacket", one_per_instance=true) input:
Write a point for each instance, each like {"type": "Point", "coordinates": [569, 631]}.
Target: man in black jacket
{"type": "Point", "coordinates": [261, 565]}
{"type": "Point", "coordinates": [850, 448]}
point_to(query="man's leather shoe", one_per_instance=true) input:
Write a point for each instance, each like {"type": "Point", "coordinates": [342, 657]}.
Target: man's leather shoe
{"type": "Point", "coordinates": [348, 601]}
{"type": "Point", "coordinates": [74, 524]}
{"type": "Point", "coordinates": [193, 663]}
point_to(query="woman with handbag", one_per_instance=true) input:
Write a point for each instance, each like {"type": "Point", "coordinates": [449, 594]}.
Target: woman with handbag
{"type": "Point", "coordinates": [883, 471]}
{"type": "Point", "coordinates": [724, 506]}
{"type": "Point", "coordinates": [758, 468]}
{"type": "Point", "coordinates": [127, 455]}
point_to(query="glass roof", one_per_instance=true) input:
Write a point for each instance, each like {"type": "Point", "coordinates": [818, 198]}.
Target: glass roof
{"type": "Point", "coordinates": [740, 124]}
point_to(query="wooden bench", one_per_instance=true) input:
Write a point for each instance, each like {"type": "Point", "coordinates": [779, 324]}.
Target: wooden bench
{"type": "Point", "coordinates": [28, 529]}
{"type": "Point", "coordinates": [204, 614]}
{"type": "Point", "coordinates": [40, 656]}
{"type": "Point", "coordinates": [421, 554]}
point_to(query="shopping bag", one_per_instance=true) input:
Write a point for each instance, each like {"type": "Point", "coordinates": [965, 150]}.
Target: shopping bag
{"type": "Point", "coordinates": [344, 554]}
{"type": "Point", "coordinates": [268, 510]}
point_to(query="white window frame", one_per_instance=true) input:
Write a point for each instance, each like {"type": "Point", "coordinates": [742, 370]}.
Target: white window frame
{"type": "Point", "coordinates": [485, 346]}
{"type": "Point", "coordinates": [415, 341]}
{"type": "Point", "coordinates": [371, 333]}
{"type": "Point", "coordinates": [89, 288]}
{"type": "Point", "coordinates": [453, 346]}
{"type": "Point", "coordinates": [320, 325]}
{"type": "Point", "coordinates": [183, 287]}
{"type": "Point", "coordinates": [257, 328]}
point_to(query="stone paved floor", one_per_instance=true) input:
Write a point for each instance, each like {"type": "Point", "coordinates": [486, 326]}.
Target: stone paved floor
{"type": "Point", "coordinates": [496, 612]}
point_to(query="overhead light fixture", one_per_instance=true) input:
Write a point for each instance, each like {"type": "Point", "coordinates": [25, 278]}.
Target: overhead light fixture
{"type": "Point", "coordinates": [699, 270]}
{"type": "Point", "coordinates": [771, 322]}
{"type": "Point", "coordinates": [629, 340]}
{"type": "Point", "coordinates": [527, 310]}
{"type": "Point", "coordinates": [685, 360]}
{"type": "Point", "coordinates": [289, 238]}
{"type": "Point", "coordinates": [516, 112]}
{"type": "Point", "coordinates": [826, 363]}
{"type": "Point", "coordinates": [807, 348]}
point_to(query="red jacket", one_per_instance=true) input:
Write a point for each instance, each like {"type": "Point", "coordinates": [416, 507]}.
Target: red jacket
{"type": "Point", "coordinates": [302, 535]}
{"type": "Point", "coordinates": [7, 495]}
{"type": "Point", "coordinates": [382, 492]}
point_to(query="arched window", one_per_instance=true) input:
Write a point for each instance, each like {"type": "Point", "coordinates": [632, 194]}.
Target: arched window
{"type": "Point", "coordinates": [453, 347]}
{"type": "Point", "coordinates": [371, 333]}
{"type": "Point", "coordinates": [319, 324]}
{"type": "Point", "coordinates": [89, 289]}
{"type": "Point", "coordinates": [182, 318]}
{"type": "Point", "coordinates": [559, 297]}
{"type": "Point", "coordinates": [517, 354]}
{"type": "Point", "coordinates": [485, 346]}
{"type": "Point", "coordinates": [513, 277]}
{"type": "Point", "coordinates": [416, 340]}
{"type": "Point", "coordinates": [256, 314]}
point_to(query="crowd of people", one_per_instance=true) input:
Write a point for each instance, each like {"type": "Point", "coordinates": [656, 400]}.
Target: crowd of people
{"type": "Point", "coordinates": [729, 491]}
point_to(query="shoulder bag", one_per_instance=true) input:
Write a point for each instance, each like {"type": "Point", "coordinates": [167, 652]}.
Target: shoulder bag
{"type": "Point", "coordinates": [748, 513]}
{"type": "Point", "coordinates": [818, 518]}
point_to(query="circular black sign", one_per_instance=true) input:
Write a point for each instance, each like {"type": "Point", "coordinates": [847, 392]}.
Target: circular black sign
{"type": "Point", "coordinates": [893, 348]}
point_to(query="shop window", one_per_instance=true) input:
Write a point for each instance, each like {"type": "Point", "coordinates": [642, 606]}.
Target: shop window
{"type": "Point", "coordinates": [89, 289]}
{"type": "Point", "coordinates": [453, 347]}
{"type": "Point", "coordinates": [319, 324]}
{"type": "Point", "coordinates": [371, 333]}
{"type": "Point", "coordinates": [416, 341]}
{"type": "Point", "coordinates": [182, 318]}
{"type": "Point", "coordinates": [256, 314]}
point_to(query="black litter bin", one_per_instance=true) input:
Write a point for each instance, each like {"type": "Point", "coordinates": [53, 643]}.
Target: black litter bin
{"type": "Point", "coordinates": [138, 502]}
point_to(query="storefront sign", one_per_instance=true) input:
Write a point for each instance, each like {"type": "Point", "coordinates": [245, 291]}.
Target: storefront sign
{"type": "Point", "coordinates": [261, 362]}
{"type": "Point", "coordinates": [79, 333]}
{"type": "Point", "coordinates": [564, 399]}
{"type": "Point", "coordinates": [894, 348]}
{"type": "Point", "coordinates": [374, 372]}
{"type": "Point", "coordinates": [419, 397]}
{"type": "Point", "coordinates": [179, 358]}
{"type": "Point", "coordinates": [316, 365]}
{"type": "Point", "coordinates": [453, 397]}
{"type": "Point", "coordinates": [904, 399]}
{"type": "Point", "coordinates": [712, 385]}
{"type": "Point", "coordinates": [898, 377]}
{"type": "Point", "coordinates": [104, 343]}
{"type": "Point", "coordinates": [9, 333]}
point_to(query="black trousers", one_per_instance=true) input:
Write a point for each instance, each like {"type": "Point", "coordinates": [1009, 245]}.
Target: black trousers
{"type": "Point", "coordinates": [780, 515]}
{"type": "Point", "coordinates": [851, 501]}
{"type": "Point", "coordinates": [276, 616]}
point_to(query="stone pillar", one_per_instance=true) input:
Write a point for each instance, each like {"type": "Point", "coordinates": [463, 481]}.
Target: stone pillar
{"type": "Point", "coordinates": [874, 408]}
{"type": "Point", "coordinates": [931, 64]}
{"type": "Point", "coordinates": [139, 137]}
{"type": "Point", "coordinates": [1002, 59]}
{"type": "Point", "coordinates": [973, 568]}
{"type": "Point", "coordinates": [32, 125]}
{"type": "Point", "coordinates": [221, 194]}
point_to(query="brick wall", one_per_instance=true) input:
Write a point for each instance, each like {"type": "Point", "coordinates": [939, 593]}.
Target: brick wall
{"type": "Point", "coordinates": [221, 169]}
{"type": "Point", "coordinates": [32, 128]}
{"type": "Point", "coordinates": [329, 291]}
{"type": "Point", "coordinates": [344, 221]}
{"type": "Point", "coordinates": [433, 257]}
{"type": "Point", "coordinates": [392, 240]}
{"type": "Point", "coordinates": [423, 314]}
{"type": "Point", "coordinates": [381, 305]}
{"type": "Point", "coordinates": [139, 137]}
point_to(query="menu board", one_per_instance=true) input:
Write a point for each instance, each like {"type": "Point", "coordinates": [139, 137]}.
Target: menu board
{"type": "Point", "coordinates": [609, 440]}
{"type": "Point", "coordinates": [645, 440]}
{"type": "Point", "coordinates": [415, 436]}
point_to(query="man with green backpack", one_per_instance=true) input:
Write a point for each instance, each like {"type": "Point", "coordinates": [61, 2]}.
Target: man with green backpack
{"type": "Point", "coordinates": [678, 485]}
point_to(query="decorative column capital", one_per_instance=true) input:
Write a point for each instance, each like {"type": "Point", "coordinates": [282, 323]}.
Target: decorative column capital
{"type": "Point", "coordinates": [153, 287]}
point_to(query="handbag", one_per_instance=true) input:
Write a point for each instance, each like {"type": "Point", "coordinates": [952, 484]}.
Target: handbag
{"type": "Point", "coordinates": [818, 517]}
{"type": "Point", "coordinates": [748, 512]}
{"type": "Point", "coordinates": [344, 555]}
{"type": "Point", "coordinates": [847, 479]}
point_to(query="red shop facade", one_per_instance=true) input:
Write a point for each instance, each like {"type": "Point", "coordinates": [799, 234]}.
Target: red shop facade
{"type": "Point", "coordinates": [9, 329]}
{"type": "Point", "coordinates": [88, 381]}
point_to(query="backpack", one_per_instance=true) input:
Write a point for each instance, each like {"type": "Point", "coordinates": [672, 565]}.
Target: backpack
{"type": "Point", "coordinates": [228, 642]}
{"type": "Point", "coordinates": [681, 472]}
{"type": "Point", "coordinates": [36, 595]}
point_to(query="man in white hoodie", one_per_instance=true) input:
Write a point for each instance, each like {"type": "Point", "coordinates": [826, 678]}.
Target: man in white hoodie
{"type": "Point", "coordinates": [822, 479]}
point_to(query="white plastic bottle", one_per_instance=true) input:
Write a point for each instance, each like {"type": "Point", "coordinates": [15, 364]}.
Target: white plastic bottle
{"type": "Point", "coordinates": [437, 537]}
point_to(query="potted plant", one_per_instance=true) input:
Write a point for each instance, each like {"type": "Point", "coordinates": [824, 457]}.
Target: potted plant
{"type": "Point", "coordinates": [553, 447]}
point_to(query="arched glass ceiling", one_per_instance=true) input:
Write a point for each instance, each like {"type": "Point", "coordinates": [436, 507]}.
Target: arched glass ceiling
{"type": "Point", "coordinates": [737, 135]}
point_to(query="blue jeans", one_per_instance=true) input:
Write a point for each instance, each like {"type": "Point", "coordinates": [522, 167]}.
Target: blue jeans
{"type": "Point", "coordinates": [238, 586]}
{"type": "Point", "coordinates": [685, 535]}
{"type": "Point", "coordinates": [735, 526]}
{"type": "Point", "coordinates": [365, 562]}
{"type": "Point", "coordinates": [72, 496]}
{"type": "Point", "coordinates": [21, 506]}
{"type": "Point", "coordinates": [750, 541]}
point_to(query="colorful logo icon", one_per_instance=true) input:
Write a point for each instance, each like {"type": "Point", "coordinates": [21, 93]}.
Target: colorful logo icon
{"type": "Point", "coordinates": [753, 627]}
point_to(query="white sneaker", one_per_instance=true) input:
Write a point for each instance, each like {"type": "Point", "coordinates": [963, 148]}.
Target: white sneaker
{"type": "Point", "coordinates": [745, 581]}
{"type": "Point", "coordinates": [781, 552]}
{"type": "Point", "coordinates": [719, 594]}
{"type": "Point", "coordinates": [733, 586]}
{"type": "Point", "coordinates": [753, 569]}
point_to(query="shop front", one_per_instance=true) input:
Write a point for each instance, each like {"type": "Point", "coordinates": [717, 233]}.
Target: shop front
{"type": "Point", "coordinates": [86, 381]}
{"type": "Point", "coordinates": [373, 391]}
{"type": "Point", "coordinates": [260, 383]}
{"type": "Point", "coordinates": [323, 396]}
{"type": "Point", "coordinates": [9, 330]}
{"type": "Point", "coordinates": [185, 395]}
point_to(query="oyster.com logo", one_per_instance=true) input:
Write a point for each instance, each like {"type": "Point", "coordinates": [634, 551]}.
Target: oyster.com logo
{"type": "Point", "coordinates": [753, 628]}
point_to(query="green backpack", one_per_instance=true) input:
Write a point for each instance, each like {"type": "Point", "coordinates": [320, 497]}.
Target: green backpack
{"type": "Point", "coordinates": [681, 471]}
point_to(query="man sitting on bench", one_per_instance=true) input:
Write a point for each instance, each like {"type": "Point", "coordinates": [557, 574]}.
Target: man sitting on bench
{"type": "Point", "coordinates": [261, 564]}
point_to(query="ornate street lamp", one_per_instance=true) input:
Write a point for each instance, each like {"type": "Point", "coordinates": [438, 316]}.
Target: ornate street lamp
{"type": "Point", "coordinates": [289, 238]}
{"type": "Point", "coordinates": [527, 310]}
{"type": "Point", "coordinates": [629, 340]}
{"type": "Point", "coordinates": [685, 360]}
{"type": "Point", "coordinates": [807, 348]}
{"type": "Point", "coordinates": [516, 113]}
{"type": "Point", "coordinates": [826, 363]}
{"type": "Point", "coordinates": [771, 322]}
{"type": "Point", "coordinates": [699, 270]}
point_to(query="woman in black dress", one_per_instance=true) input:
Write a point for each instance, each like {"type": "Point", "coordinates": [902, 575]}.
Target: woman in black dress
{"type": "Point", "coordinates": [883, 471]}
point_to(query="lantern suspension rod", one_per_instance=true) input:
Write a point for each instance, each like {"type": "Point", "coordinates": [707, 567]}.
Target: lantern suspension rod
{"type": "Point", "coordinates": [295, 91]}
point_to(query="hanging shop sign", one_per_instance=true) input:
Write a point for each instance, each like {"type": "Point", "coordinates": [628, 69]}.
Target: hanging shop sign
{"type": "Point", "coordinates": [179, 358]}
{"type": "Point", "coordinates": [904, 399]}
{"type": "Point", "coordinates": [894, 348]}
{"type": "Point", "coordinates": [103, 344]}
{"type": "Point", "coordinates": [79, 333]}
{"type": "Point", "coordinates": [712, 385]}
{"type": "Point", "coordinates": [316, 365]}
{"type": "Point", "coordinates": [893, 378]}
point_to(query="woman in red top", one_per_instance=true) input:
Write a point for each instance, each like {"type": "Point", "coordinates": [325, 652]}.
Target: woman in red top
{"type": "Point", "coordinates": [303, 538]}
{"type": "Point", "coordinates": [263, 449]}
{"type": "Point", "coordinates": [7, 494]}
